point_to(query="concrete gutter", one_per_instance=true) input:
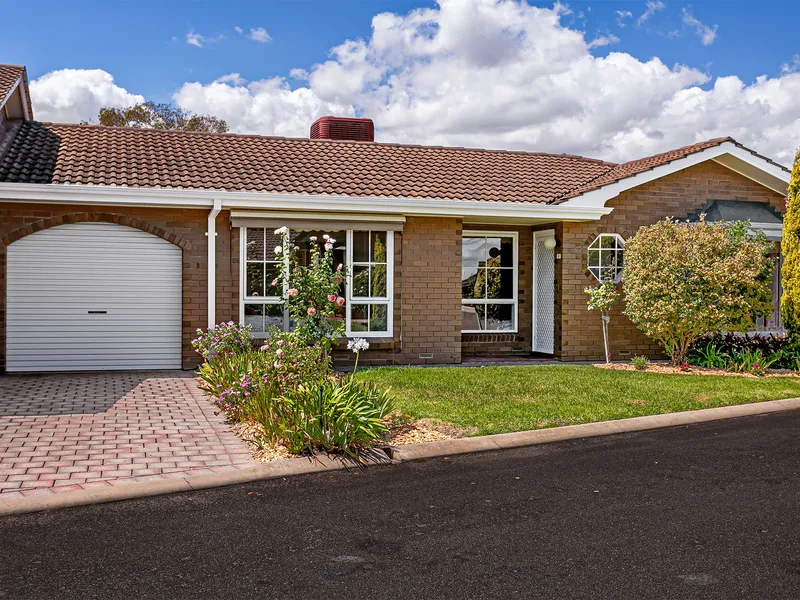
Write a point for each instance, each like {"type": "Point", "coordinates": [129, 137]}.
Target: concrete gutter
{"type": "Point", "coordinates": [304, 466]}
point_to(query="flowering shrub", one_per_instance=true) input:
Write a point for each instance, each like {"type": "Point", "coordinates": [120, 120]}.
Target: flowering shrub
{"type": "Point", "coordinates": [686, 280]}
{"type": "Point", "coordinates": [312, 291]}
{"type": "Point", "coordinates": [286, 361]}
{"type": "Point", "coordinates": [224, 339]}
{"type": "Point", "coordinates": [603, 298]}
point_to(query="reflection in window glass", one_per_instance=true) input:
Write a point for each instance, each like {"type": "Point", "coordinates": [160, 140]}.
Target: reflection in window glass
{"type": "Point", "coordinates": [605, 257]}
{"type": "Point", "coordinates": [488, 272]}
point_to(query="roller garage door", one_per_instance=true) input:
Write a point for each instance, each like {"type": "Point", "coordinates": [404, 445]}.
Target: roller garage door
{"type": "Point", "coordinates": [93, 296]}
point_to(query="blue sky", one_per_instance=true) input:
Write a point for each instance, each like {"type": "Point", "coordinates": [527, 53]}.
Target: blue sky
{"type": "Point", "coordinates": [143, 47]}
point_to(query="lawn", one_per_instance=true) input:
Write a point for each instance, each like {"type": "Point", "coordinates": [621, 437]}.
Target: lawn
{"type": "Point", "coordinates": [505, 399]}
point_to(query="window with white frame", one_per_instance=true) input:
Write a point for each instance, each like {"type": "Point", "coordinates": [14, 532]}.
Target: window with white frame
{"type": "Point", "coordinates": [489, 271]}
{"type": "Point", "coordinates": [367, 290]}
{"type": "Point", "coordinates": [606, 257]}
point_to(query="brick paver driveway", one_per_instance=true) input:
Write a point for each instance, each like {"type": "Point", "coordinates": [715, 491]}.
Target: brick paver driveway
{"type": "Point", "coordinates": [65, 432]}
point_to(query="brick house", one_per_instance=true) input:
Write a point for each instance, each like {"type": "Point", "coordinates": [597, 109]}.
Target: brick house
{"type": "Point", "coordinates": [117, 244]}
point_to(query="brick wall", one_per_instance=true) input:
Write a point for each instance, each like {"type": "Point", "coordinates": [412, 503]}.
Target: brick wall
{"type": "Point", "coordinates": [185, 228]}
{"type": "Point", "coordinates": [678, 195]}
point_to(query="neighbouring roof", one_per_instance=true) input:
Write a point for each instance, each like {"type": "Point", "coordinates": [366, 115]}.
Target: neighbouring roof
{"type": "Point", "coordinates": [148, 158]}
{"type": "Point", "coordinates": [9, 76]}
{"type": "Point", "coordinates": [738, 210]}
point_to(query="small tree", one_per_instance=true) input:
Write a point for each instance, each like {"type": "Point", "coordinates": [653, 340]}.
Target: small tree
{"type": "Point", "coordinates": [684, 280]}
{"type": "Point", "coordinates": [790, 248]}
{"type": "Point", "coordinates": [603, 298]}
{"type": "Point", "coordinates": [150, 115]}
{"type": "Point", "coordinates": [312, 291]}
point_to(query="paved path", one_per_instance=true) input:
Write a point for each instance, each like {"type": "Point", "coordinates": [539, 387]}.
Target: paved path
{"type": "Point", "coordinates": [702, 511]}
{"type": "Point", "coordinates": [61, 433]}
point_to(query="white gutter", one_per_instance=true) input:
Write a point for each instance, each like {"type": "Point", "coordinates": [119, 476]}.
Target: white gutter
{"type": "Point", "coordinates": [212, 263]}
{"type": "Point", "coordinates": [181, 198]}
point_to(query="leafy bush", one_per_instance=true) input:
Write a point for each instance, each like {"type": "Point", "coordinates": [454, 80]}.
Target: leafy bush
{"type": "Point", "coordinates": [780, 351]}
{"type": "Point", "coordinates": [286, 361]}
{"type": "Point", "coordinates": [640, 362]}
{"type": "Point", "coordinates": [334, 415]}
{"type": "Point", "coordinates": [709, 356]}
{"type": "Point", "coordinates": [686, 280]}
{"type": "Point", "coordinates": [750, 361]}
{"type": "Point", "coordinates": [790, 247]}
{"type": "Point", "coordinates": [224, 339]}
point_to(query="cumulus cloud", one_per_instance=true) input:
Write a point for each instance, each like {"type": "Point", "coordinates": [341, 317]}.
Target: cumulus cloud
{"type": "Point", "coordinates": [653, 6]}
{"type": "Point", "coordinates": [504, 74]}
{"type": "Point", "coordinates": [706, 34]}
{"type": "Point", "coordinates": [74, 95]}
{"type": "Point", "coordinates": [259, 34]}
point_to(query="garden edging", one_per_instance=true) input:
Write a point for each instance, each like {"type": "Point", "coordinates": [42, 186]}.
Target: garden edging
{"type": "Point", "coordinates": [303, 466]}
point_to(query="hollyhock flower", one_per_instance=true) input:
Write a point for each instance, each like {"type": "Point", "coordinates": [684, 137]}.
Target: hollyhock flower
{"type": "Point", "coordinates": [340, 302]}
{"type": "Point", "coordinates": [292, 292]}
{"type": "Point", "coordinates": [332, 298]}
{"type": "Point", "coordinates": [311, 311]}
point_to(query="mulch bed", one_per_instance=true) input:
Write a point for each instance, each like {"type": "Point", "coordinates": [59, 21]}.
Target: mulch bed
{"type": "Point", "coordinates": [671, 370]}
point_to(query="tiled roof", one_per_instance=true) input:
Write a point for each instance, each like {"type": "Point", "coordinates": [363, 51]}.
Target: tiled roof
{"type": "Point", "coordinates": [641, 165]}
{"type": "Point", "coordinates": [9, 75]}
{"type": "Point", "coordinates": [150, 158]}
{"type": "Point", "coordinates": [94, 155]}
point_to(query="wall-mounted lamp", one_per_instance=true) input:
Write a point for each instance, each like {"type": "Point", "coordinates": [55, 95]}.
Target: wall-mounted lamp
{"type": "Point", "coordinates": [550, 243]}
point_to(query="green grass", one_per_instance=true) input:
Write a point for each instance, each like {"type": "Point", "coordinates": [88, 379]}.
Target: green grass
{"type": "Point", "coordinates": [505, 399]}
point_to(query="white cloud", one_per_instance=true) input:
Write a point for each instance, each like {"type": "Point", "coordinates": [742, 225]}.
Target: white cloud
{"type": "Point", "coordinates": [259, 34]}
{"type": "Point", "coordinates": [622, 15]}
{"type": "Point", "coordinates": [195, 39]}
{"type": "Point", "coordinates": [74, 95]}
{"type": "Point", "coordinates": [496, 74]}
{"type": "Point", "coordinates": [706, 34]}
{"type": "Point", "coordinates": [603, 40]}
{"type": "Point", "coordinates": [238, 29]}
{"type": "Point", "coordinates": [653, 6]}
{"type": "Point", "coordinates": [791, 67]}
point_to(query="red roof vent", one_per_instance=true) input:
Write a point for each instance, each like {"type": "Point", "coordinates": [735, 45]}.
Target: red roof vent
{"type": "Point", "coordinates": [343, 128]}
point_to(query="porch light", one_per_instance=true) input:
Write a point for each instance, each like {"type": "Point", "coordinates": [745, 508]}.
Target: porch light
{"type": "Point", "coordinates": [550, 243]}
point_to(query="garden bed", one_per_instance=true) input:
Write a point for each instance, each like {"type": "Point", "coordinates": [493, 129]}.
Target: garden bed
{"type": "Point", "coordinates": [666, 368]}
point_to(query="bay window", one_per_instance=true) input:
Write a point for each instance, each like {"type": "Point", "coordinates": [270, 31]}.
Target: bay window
{"type": "Point", "coordinates": [489, 271]}
{"type": "Point", "coordinates": [367, 290]}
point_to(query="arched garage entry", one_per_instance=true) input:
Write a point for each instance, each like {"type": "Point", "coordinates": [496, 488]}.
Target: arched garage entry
{"type": "Point", "coordinates": [93, 296]}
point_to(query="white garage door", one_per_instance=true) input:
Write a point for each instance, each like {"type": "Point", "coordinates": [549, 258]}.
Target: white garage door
{"type": "Point", "coordinates": [88, 296]}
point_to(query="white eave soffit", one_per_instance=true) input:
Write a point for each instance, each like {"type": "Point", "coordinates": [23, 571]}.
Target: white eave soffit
{"type": "Point", "coordinates": [726, 154]}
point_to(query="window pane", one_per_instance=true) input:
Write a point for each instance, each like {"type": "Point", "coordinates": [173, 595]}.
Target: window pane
{"type": "Point", "coordinates": [594, 258]}
{"type": "Point", "coordinates": [473, 252]}
{"type": "Point", "coordinates": [255, 244]}
{"type": "Point", "coordinates": [473, 284]}
{"type": "Point", "coordinates": [377, 318]}
{"type": "Point", "coordinates": [499, 317]}
{"type": "Point", "coordinates": [302, 240]}
{"type": "Point", "coordinates": [255, 279]}
{"type": "Point", "coordinates": [359, 317]}
{"type": "Point", "coordinates": [500, 283]}
{"type": "Point", "coordinates": [470, 321]}
{"type": "Point", "coordinates": [273, 240]}
{"type": "Point", "coordinates": [253, 316]}
{"type": "Point", "coordinates": [360, 246]}
{"type": "Point", "coordinates": [379, 246]}
{"type": "Point", "coordinates": [273, 316]}
{"type": "Point", "coordinates": [608, 241]}
{"type": "Point", "coordinates": [361, 282]}
{"type": "Point", "coordinates": [378, 281]}
{"type": "Point", "coordinates": [273, 273]}
{"type": "Point", "coordinates": [500, 252]}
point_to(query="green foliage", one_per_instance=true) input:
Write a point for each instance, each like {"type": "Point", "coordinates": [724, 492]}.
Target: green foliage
{"type": "Point", "coordinates": [603, 297]}
{"type": "Point", "coordinates": [685, 280]}
{"type": "Point", "coordinates": [750, 361]}
{"type": "Point", "coordinates": [151, 115]}
{"type": "Point", "coordinates": [640, 362]}
{"type": "Point", "coordinates": [790, 247]}
{"type": "Point", "coordinates": [334, 415]}
{"type": "Point", "coordinates": [709, 356]}
{"type": "Point", "coordinates": [287, 361]}
{"type": "Point", "coordinates": [715, 351]}
{"type": "Point", "coordinates": [313, 291]}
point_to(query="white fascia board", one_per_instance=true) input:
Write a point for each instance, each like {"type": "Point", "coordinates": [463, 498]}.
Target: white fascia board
{"type": "Point", "coordinates": [600, 196]}
{"type": "Point", "coordinates": [182, 198]}
{"type": "Point", "coordinates": [14, 88]}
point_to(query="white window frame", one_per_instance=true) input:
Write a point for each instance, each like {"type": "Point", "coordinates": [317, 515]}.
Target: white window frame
{"type": "Point", "coordinates": [620, 248]}
{"type": "Point", "coordinates": [515, 300]}
{"type": "Point", "coordinates": [387, 300]}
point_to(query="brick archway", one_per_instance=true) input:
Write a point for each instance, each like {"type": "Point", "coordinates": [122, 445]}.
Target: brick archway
{"type": "Point", "coordinates": [84, 217]}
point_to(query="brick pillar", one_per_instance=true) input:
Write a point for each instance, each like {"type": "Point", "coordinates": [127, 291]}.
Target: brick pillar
{"type": "Point", "coordinates": [431, 291]}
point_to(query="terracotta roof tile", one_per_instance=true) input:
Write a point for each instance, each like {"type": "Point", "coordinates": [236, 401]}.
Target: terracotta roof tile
{"type": "Point", "coordinates": [94, 155]}
{"type": "Point", "coordinates": [9, 75]}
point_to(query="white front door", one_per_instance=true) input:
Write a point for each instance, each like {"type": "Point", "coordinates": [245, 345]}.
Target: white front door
{"type": "Point", "coordinates": [93, 296]}
{"type": "Point", "coordinates": [543, 292]}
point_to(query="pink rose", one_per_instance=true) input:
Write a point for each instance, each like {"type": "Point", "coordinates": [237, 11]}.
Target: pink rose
{"type": "Point", "coordinates": [292, 292]}
{"type": "Point", "coordinates": [340, 301]}
{"type": "Point", "coordinates": [279, 353]}
{"type": "Point", "coordinates": [274, 282]}
{"type": "Point", "coordinates": [311, 311]}
{"type": "Point", "coordinates": [339, 268]}
{"type": "Point", "coordinates": [328, 246]}
{"type": "Point", "coordinates": [326, 237]}
{"type": "Point", "coordinates": [313, 238]}
{"type": "Point", "coordinates": [332, 298]}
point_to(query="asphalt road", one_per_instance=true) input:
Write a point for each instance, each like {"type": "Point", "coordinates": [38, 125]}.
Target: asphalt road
{"type": "Point", "coordinates": [704, 511]}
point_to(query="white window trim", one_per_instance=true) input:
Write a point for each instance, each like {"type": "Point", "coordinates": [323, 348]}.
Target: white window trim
{"type": "Point", "coordinates": [388, 300]}
{"type": "Point", "coordinates": [515, 300]}
{"type": "Point", "coordinates": [620, 242]}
